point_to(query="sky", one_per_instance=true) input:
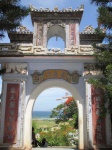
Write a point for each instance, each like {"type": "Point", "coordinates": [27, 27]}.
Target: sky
{"type": "Point", "coordinates": [89, 16]}
{"type": "Point", "coordinates": [49, 97]}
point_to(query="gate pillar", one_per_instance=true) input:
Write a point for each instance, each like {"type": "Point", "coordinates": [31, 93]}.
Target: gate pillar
{"type": "Point", "coordinates": [12, 112]}
{"type": "Point", "coordinates": [98, 128]}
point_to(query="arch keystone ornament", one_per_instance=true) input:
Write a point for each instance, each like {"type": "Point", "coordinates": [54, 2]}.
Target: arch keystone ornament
{"type": "Point", "coordinates": [55, 74]}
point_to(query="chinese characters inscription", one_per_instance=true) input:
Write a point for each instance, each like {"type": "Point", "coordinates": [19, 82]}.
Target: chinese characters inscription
{"type": "Point", "coordinates": [11, 113]}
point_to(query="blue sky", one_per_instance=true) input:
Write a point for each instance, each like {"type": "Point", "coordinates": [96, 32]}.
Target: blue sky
{"type": "Point", "coordinates": [88, 18]}
{"type": "Point", "coordinates": [49, 97]}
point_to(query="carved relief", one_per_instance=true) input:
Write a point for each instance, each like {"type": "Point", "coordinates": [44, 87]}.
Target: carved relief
{"type": "Point", "coordinates": [22, 29]}
{"type": "Point", "coordinates": [49, 24]}
{"type": "Point", "coordinates": [72, 34]}
{"type": "Point", "coordinates": [86, 49]}
{"type": "Point", "coordinates": [56, 22]}
{"type": "Point", "coordinates": [80, 8]}
{"type": "Point", "coordinates": [39, 34]}
{"type": "Point", "coordinates": [72, 50]}
{"type": "Point", "coordinates": [15, 68]}
{"type": "Point", "coordinates": [6, 47]}
{"type": "Point", "coordinates": [55, 51]}
{"type": "Point", "coordinates": [11, 113]}
{"type": "Point", "coordinates": [35, 77]}
{"type": "Point", "coordinates": [22, 102]}
{"type": "Point", "coordinates": [98, 122]}
{"type": "Point", "coordinates": [89, 29]}
{"type": "Point", "coordinates": [25, 48]}
{"type": "Point", "coordinates": [20, 49]}
{"type": "Point", "coordinates": [90, 69]}
{"type": "Point", "coordinates": [88, 108]}
{"type": "Point", "coordinates": [56, 8]}
{"type": "Point", "coordinates": [55, 74]}
{"type": "Point", "coordinates": [39, 50]}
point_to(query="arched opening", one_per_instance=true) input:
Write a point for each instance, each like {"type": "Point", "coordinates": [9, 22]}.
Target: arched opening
{"type": "Point", "coordinates": [56, 43]}
{"type": "Point", "coordinates": [56, 38]}
{"type": "Point", "coordinates": [45, 85]}
{"type": "Point", "coordinates": [58, 122]}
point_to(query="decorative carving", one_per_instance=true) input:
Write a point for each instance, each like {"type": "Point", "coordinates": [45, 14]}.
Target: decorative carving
{"type": "Point", "coordinates": [86, 49]}
{"type": "Point", "coordinates": [56, 22]}
{"type": "Point", "coordinates": [22, 29]}
{"type": "Point", "coordinates": [20, 124]}
{"type": "Point", "coordinates": [11, 113]}
{"type": "Point", "coordinates": [55, 74]}
{"type": "Point", "coordinates": [89, 29]}
{"type": "Point", "coordinates": [80, 8]}
{"type": "Point", "coordinates": [55, 51]}
{"type": "Point", "coordinates": [15, 68]}
{"type": "Point", "coordinates": [49, 24]}
{"type": "Point", "coordinates": [7, 47]}
{"type": "Point", "coordinates": [22, 102]}
{"type": "Point", "coordinates": [32, 7]}
{"type": "Point", "coordinates": [25, 49]}
{"type": "Point", "coordinates": [39, 50]}
{"type": "Point", "coordinates": [56, 8]}
{"type": "Point", "coordinates": [88, 110]}
{"type": "Point", "coordinates": [70, 9]}
{"type": "Point", "coordinates": [72, 34]}
{"type": "Point", "coordinates": [90, 69]}
{"type": "Point", "coordinates": [98, 122]}
{"type": "Point", "coordinates": [39, 35]}
{"type": "Point", "coordinates": [47, 9]}
{"type": "Point", "coordinates": [72, 50]}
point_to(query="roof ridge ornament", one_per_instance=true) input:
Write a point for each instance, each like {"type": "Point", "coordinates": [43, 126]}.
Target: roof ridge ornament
{"type": "Point", "coordinates": [89, 29]}
{"type": "Point", "coordinates": [56, 8]}
{"type": "Point", "coordinates": [69, 9]}
{"type": "Point", "coordinates": [21, 29]}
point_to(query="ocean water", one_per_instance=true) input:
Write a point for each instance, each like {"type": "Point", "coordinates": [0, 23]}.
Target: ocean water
{"type": "Point", "coordinates": [41, 114]}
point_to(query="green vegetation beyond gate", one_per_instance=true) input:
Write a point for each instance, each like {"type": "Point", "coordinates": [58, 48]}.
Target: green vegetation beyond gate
{"type": "Point", "coordinates": [61, 131]}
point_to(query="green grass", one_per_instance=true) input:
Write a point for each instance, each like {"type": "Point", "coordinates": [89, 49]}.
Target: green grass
{"type": "Point", "coordinates": [55, 136]}
{"type": "Point", "coordinates": [44, 123]}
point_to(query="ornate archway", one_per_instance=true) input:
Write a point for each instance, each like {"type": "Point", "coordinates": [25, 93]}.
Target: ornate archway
{"type": "Point", "coordinates": [48, 84]}
{"type": "Point", "coordinates": [27, 56]}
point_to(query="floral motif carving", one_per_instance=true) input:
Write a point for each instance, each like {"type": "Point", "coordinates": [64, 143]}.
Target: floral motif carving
{"type": "Point", "coordinates": [22, 29]}
{"type": "Point", "coordinates": [89, 29]}
{"type": "Point", "coordinates": [56, 22]}
{"type": "Point", "coordinates": [55, 74]}
{"type": "Point", "coordinates": [15, 68]}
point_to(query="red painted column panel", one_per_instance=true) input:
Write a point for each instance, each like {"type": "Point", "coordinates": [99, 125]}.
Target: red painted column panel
{"type": "Point", "coordinates": [11, 113]}
{"type": "Point", "coordinates": [72, 34]}
{"type": "Point", "coordinates": [99, 129]}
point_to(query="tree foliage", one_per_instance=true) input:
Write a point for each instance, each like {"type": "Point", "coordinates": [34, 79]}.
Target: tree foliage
{"type": "Point", "coordinates": [66, 111]}
{"type": "Point", "coordinates": [103, 54]}
{"type": "Point", "coordinates": [11, 14]}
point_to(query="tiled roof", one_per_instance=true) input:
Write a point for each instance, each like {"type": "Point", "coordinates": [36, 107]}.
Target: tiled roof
{"type": "Point", "coordinates": [80, 8]}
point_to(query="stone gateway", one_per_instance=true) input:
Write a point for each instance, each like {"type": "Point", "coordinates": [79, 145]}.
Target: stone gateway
{"type": "Point", "coordinates": [29, 68]}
